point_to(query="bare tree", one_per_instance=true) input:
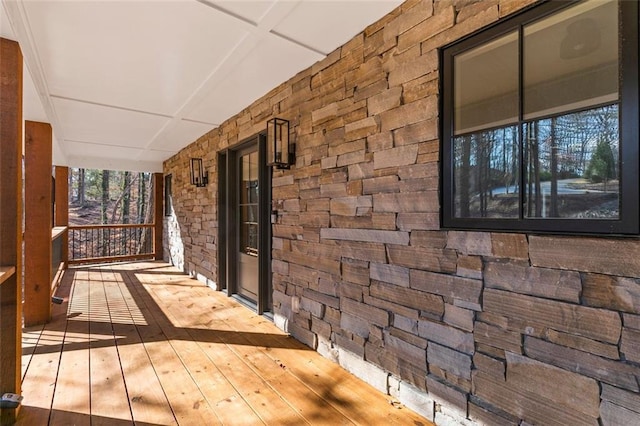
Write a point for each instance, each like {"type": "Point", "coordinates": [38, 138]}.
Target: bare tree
{"type": "Point", "coordinates": [105, 203]}
{"type": "Point", "coordinates": [553, 205]}
{"type": "Point", "coordinates": [81, 187]}
{"type": "Point", "coordinates": [146, 234]}
{"type": "Point", "coordinates": [534, 206]}
{"type": "Point", "coordinates": [126, 197]}
{"type": "Point", "coordinates": [464, 181]}
{"type": "Point", "coordinates": [143, 196]}
{"type": "Point", "coordinates": [114, 211]}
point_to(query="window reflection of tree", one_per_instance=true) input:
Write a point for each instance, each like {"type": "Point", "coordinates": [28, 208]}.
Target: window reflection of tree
{"type": "Point", "coordinates": [564, 156]}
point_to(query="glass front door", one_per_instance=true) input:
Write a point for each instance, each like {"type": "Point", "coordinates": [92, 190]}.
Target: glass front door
{"type": "Point", "coordinates": [248, 224]}
{"type": "Point", "coordinates": [244, 206]}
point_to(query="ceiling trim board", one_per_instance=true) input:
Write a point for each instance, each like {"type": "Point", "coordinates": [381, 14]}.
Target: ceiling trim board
{"type": "Point", "coordinates": [278, 11]}
{"type": "Point", "coordinates": [228, 13]}
{"type": "Point", "coordinates": [303, 45]}
{"type": "Point", "coordinates": [188, 120]}
{"type": "Point", "coordinates": [112, 146]}
{"type": "Point", "coordinates": [100, 104]}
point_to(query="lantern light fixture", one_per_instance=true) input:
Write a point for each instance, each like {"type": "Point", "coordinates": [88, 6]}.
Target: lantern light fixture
{"type": "Point", "coordinates": [280, 152]}
{"type": "Point", "coordinates": [199, 177]}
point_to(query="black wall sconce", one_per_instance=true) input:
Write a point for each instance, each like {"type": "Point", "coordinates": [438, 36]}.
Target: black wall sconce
{"type": "Point", "coordinates": [199, 177]}
{"type": "Point", "coordinates": [280, 153]}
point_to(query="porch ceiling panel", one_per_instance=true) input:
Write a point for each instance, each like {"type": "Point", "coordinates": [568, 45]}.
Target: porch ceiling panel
{"type": "Point", "coordinates": [268, 64]}
{"type": "Point", "coordinates": [171, 138]}
{"type": "Point", "coordinates": [91, 123]}
{"type": "Point", "coordinates": [154, 75]}
{"type": "Point", "coordinates": [307, 23]}
{"type": "Point", "coordinates": [146, 56]}
{"type": "Point", "coordinates": [155, 155]}
{"type": "Point", "coordinates": [103, 150]}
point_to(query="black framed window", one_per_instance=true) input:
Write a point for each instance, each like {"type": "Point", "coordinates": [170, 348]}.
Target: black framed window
{"type": "Point", "coordinates": [168, 200]}
{"type": "Point", "coordinates": [540, 122]}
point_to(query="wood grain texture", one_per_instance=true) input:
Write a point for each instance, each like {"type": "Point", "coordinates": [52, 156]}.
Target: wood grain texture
{"type": "Point", "coordinates": [10, 218]}
{"type": "Point", "coordinates": [141, 342]}
{"type": "Point", "coordinates": [38, 222]}
{"type": "Point", "coordinates": [62, 207]}
{"type": "Point", "coordinates": [6, 272]}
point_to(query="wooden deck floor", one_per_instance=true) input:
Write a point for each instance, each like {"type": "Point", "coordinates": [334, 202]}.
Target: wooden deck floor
{"type": "Point", "coordinates": [142, 343]}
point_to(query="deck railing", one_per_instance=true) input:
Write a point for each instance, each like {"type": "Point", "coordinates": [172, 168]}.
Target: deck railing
{"type": "Point", "coordinates": [106, 243]}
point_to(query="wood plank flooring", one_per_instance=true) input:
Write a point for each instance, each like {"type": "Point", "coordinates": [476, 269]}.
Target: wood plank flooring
{"type": "Point", "coordinates": [141, 343]}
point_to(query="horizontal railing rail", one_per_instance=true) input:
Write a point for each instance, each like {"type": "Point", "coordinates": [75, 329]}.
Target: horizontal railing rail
{"type": "Point", "coordinates": [6, 272]}
{"type": "Point", "coordinates": [108, 243]}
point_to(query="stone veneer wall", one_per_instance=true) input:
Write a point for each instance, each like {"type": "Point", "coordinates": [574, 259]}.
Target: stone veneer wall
{"type": "Point", "coordinates": [464, 327]}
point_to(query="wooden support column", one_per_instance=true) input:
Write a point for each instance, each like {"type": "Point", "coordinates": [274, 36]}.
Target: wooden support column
{"type": "Point", "coordinates": [62, 208]}
{"type": "Point", "coordinates": [38, 223]}
{"type": "Point", "coordinates": [158, 215]}
{"type": "Point", "coordinates": [10, 222]}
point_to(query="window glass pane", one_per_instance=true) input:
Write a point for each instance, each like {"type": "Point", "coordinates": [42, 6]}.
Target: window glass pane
{"type": "Point", "coordinates": [572, 165]}
{"type": "Point", "coordinates": [571, 59]}
{"type": "Point", "coordinates": [486, 85]}
{"type": "Point", "coordinates": [486, 174]}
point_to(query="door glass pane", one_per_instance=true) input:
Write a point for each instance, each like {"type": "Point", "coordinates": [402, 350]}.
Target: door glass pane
{"type": "Point", "coordinates": [249, 204]}
{"type": "Point", "coordinates": [572, 166]}
{"type": "Point", "coordinates": [571, 60]}
{"type": "Point", "coordinates": [248, 235]}
{"type": "Point", "coordinates": [486, 85]}
{"type": "Point", "coordinates": [486, 174]}
{"type": "Point", "coordinates": [249, 173]}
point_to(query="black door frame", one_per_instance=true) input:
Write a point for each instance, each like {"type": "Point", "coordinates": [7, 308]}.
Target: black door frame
{"type": "Point", "coordinates": [228, 215]}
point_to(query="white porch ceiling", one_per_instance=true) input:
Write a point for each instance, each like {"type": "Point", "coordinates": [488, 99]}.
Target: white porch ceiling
{"type": "Point", "coordinates": [126, 84]}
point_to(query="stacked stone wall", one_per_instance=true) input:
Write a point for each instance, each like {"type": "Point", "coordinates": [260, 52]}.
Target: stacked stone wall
{"type": "Point", "coordinates": [464, 327]}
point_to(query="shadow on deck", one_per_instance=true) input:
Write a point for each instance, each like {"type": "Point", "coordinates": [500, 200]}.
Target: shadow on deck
{"type": "Point", "coordinates": [143, 343]}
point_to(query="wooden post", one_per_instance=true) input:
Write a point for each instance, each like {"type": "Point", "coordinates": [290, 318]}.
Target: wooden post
{"type": "Point", "coordinates": [38, 223]}
{"type": "Point", "coordinates": [158, 215]}
{"type": "Point", "coordinates": [62, 208]}
{"type": "Point", "coordinates": [10, 221]}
